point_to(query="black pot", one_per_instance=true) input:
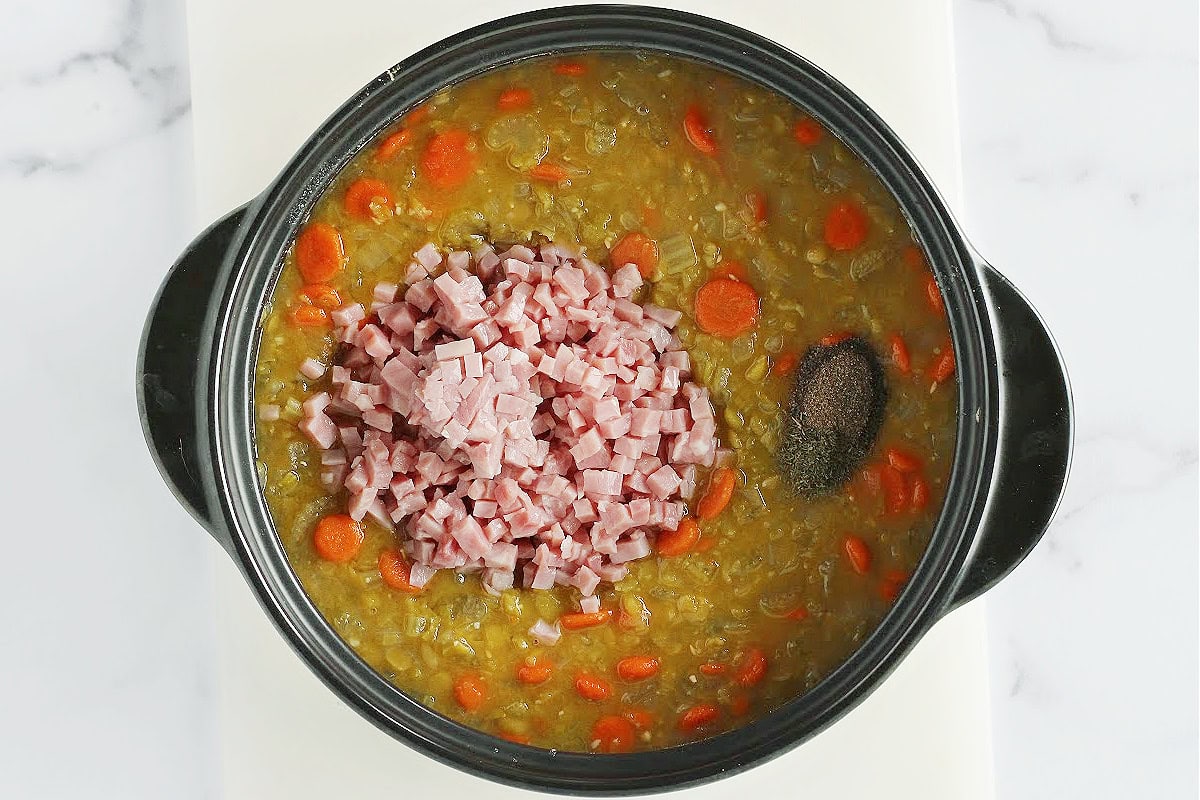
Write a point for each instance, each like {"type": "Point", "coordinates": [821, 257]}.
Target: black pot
{"type": "Point", "coordinates": [196, 371]}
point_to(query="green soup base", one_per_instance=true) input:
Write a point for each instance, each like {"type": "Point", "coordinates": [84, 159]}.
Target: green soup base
{"type": "Point", "coordinates": [725, 178]}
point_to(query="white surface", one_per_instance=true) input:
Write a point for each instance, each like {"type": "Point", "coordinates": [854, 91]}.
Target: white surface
{"type": "Point", "coordinates": [928, 724]}
{"type": "Point", "coordinates": [1078, 125]}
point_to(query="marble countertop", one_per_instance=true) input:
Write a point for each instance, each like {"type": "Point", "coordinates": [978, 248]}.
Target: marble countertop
{"type": "Point", "coordinates": [1079, 134]}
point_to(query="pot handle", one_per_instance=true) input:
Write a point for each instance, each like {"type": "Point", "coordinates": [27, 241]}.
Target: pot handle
{"type": "Point", "coordinates": [168, 360]}
{"type": "Point", "coordinates": [1034, 448]}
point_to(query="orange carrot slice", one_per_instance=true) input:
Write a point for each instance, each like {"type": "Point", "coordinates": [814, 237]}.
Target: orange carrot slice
{"type": "Point", "coordinates": [470, 691]}
{"type": "Point", "coordinates": [808, 132]}
{"type": "Point", "coordinates": [613, 734]}
{"type": "Point", "coordinates": [449, 160]}
{"type": "Point", "coordinates": [393, 144]}
{"type": "Point", "coordinates": [858, 553]}
{"type": "Point", "coordinates": [319, 252]}
{"type": "Point", "coordinates": [577, 620]}
{"type": "Point", "coordinates": [698, 716]}
{"type": "Point", "coordinates": [753, 668]}
{"type": "Point", "coordinates": [680, 540]}
{"type": "Point", "coordinates": [636, 248]}
{"type": "Point", "coordinates": [534, 670]}
{"type": "Point", "coordinates": [726, 308]}
{"type": "Point", "coordinates": [514, 99]}
{"type": "Point", "coordinates": [698, 131]}
{"type": "Point", "coordinates": [338, 538]}
{"type": "Point", "coordinates": [846, 226]}
{"type": "Point", "coordinates": [396, 571]}
{"type": "Point", "coordinates": [637, 668]}
{"type": "Point", "coordinates": [365, 198]}
{"type": "Point", "coordinates": [720, 492]}
{"type": "Point", "coordinates": [592, 687]}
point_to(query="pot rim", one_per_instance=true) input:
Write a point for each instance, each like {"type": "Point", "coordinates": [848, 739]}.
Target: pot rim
{"type": "Point", "coordinates": [225, 422]}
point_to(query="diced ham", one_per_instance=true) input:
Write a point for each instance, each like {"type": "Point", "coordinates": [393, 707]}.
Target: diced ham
{"type": "Point", "coordinates": [311, 368]}
{"type": "Point", "coordinates": [428, 256]}
{"type": "Point", "coordinates": [320, 428]}
{"type": "Point", "coordinates": [545, 633]}
{"type": "Point", "coordinates": [663, 482]}
{"type": "Point", "coordinates": [549, 428]}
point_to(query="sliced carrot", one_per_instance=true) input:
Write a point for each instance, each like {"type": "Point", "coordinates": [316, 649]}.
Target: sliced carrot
{"type": "Point", "coordinates": [846, 226]}
{"type": "Point", "coordinates": [338, 538]}
{"type": "Point", "coordinates": [698, 131]}
{"type": "Point", "coordinates": [319, 252]}
{"type": "Point", "coordinates": [943, 367]}
{"type": "Point", "coordinates": [933, 296]}
{"type": "Point", "coordinates": [572, 69]}
{"type": "Point", "coordinates": [729, 268]}
{"type": "Point", "coordinates": [309, 317]}
{"type": "Point", "coordinates": [913, 257]}
{"type": "Point", "coordinates": [637, 668]}
{"type": "Point", "coordinates": [720, 492]}
{"type": "Point", "coordinates": [753, 668]}
{"type": "Point", "coordinates": [680, 540]}
{"type": "Point", "coordinates": [534, 670]}
{"type": "Point", "coordinates": [366, 197]}
{"type": "Point", "coordinates": [613, 734]}
{"type": "Point", "coordinates": [895, 489]}
{"type": "Point", "coordinates": [900, 355]}
{"type": "Point", "coordinates": [698, 716]}
{"type": "Point", "coordinates": [321, 295]}
{"type": "Point", "coordinates": [515, 738]}
{"type": "Point", "coordinates": [830, 339]}
{"type": "Point", "coordinates": [635, 248]}
{"type": "Point", "coordinates": [551, 173]}
{"type": "Point", "coordinates": [514, 99]}
{"type": "Point", "coordinates": [858, 553]}
{"type": "Point", "coordinates": [393, 144]}
{"type": "Point", "coordinates": [808, 132]}
{"type": "Point", "coordinates": [449, 160]}
{"type": "Point", "coordinates": [726, 308]}
{"type": "Point", "coordinates": [784, 363]}
{"type": "Point", "coordinates": [470, 691]}
{"type": "Point", "coordinates": [417, 115]}
{"type": "Point", "coordinates": [758, 206]}
{"type": "Point", "coordinates": [902, 460]}
{"type": "Point", "coordinates": [640, 717]}
{"type": "Point", "coordinates": [739, 705]}
{"type": "Point", "coordinates": [920, 493]}
{"type": "Point", "coordinates": [712, 668]}
{"type": "Point", "coordinates": [577, 620]}
{"type": "Point", "coordinates": [891, 585]}
{"type": "Point", "coordinates": [705, 544]}
{"type": "Point", "coordinates": [396, 571]}
{"type": "Point", "coordinates": [592, 687]}
{"type": "Point", "coordinates": [799, 614]}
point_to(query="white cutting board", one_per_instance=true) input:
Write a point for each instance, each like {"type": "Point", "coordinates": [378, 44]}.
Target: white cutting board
{"type": "Point", "coordinates": [264, 74]}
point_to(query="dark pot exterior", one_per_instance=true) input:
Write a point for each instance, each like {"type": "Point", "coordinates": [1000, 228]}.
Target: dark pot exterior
{"type": "Point", "coordinates": [196, 370]}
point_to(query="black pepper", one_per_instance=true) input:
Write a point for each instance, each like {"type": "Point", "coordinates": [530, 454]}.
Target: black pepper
{"type": "Point", "coordinates": [833, 415]}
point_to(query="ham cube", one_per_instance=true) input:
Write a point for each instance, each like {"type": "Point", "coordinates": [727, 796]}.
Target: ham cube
{"type": "Point", "coordinates": [453, 350]}
{"type": "Point", "coordinates": [601, 481]}
{"type": "Point", "coordinates": [645, 422]}
{"type": "Point", "coordinates": [320, 429]}
{"type": "Point", "coordinates": [663, 482]}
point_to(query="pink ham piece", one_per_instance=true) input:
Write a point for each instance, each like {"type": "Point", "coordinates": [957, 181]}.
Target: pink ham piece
{"type": "Point", "coordinates": [527, 419]}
